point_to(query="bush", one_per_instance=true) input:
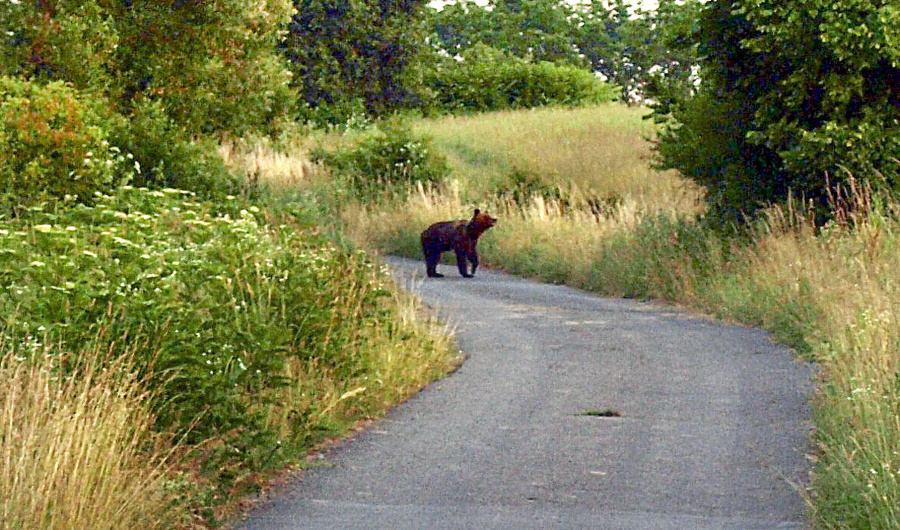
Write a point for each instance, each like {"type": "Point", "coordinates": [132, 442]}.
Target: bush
{"type": "Point", "coordinates": [522, 185]}
{"type": "Point", "coordinates": [253, 336]}
{"type": "Point", "coordinates": [387, 160]}
{"type": "Point", "coordinates": [55, 141]}
{"type": "Point", "coordinates": [660, 258]}
{"type": "Point", "coordinates": [169, 159]}
{"type": "Point", "coordinates": [790, 103]}
{"type": "Point", "coordinates": [213, 66]}
{"type": "Point", "coordinates": [489, 79]}
{"type": "Point", "coordinates": [217, 301]}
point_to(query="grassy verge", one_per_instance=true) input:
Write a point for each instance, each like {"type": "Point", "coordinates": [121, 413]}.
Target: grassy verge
{"type": "Point", "coordinates": [578, 204]}
{"type": "Point", "coordinates": [165, 354]}
{"type": "Point", "coordinates": [79, 451]}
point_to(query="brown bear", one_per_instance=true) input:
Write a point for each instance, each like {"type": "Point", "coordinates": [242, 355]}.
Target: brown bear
{"type": "Point", "coordinates": [459, 236]}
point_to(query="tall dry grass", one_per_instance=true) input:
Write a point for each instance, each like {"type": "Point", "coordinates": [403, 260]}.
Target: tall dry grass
{"type": "Point", "coordinates": [841, 288]}
{"type": "Point", "coordinates": [593, 165]}
{"type": "Point", "coordinates": [597, 151]}
{"type": "Point", "coordinates": [76, 450]}
{"type": "Point", "coordinates": [277, 169]}
{"type": "Point", "coordinates": [541, 227]}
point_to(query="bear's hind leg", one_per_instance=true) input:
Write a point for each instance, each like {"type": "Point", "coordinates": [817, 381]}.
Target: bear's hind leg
{"type": "Point", "coordinates": [431, 260]}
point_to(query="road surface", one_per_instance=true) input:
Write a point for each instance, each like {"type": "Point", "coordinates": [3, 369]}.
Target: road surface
{"type": "Point", "coordinates": [572, 411]}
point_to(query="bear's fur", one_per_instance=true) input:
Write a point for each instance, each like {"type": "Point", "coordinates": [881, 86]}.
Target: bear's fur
{"type": "Point", "coordinates": [459, 236]}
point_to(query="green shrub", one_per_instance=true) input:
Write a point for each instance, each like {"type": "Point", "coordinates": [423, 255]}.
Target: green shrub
{"type": "Point", "coordinates": [218, 299]}
{"type": "Point", "coordinates": [170, 159]}
{"type": "Point", "coordinates": [488, 79]}
{"type": "Point", "coordinates": [390, 159]}
{"type": "Point", "coordinates": [789, 104]}
{"type": "Point", "coordinates": [55, 141]}
{"type": "Point", "coordinates": [254, 336]}
{"type": "Point", "coordinates": [351, 114]}
{"type": "Point", "coordinates": [522, 185]}
{"type": "Point", "coordinates": [660, 258]}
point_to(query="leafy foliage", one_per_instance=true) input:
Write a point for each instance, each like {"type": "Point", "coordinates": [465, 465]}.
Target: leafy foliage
{"type": "Point", "coordinates": [632, 48]}
{"type": "Point", "coordinates": [344, 51]}
{"type": "Point", "coordinates": [55, 142]}
{"type": "Point", "coordinates": [175, 70]}
{"type": "Point", "coordinates": [488, 79]}
{"type": "Point", "coordinates": [212, 303]}
{"type": "Point", "coordinates": [212, 66]}
{"type": "Point", "coordinates": [789, 103]}
{"type": "Point", "coordinates": [170, 158]}
{"type": "Point", "coordinates": [536, 29]}
{"type": "Point", "coordinates": [254, 336]}
{"type": "Point", "coordinates": [387, 160]}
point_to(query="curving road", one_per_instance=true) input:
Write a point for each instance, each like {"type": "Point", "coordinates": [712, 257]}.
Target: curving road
{"type": "Point", "coordinates": [572, 411]}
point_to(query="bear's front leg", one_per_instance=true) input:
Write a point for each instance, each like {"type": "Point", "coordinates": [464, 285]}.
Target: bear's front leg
{"type": "Point", "coordinates": [462, 263]}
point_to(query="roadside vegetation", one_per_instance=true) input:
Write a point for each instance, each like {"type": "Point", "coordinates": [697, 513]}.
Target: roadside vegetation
{"type": "Point", "coordinates": [578, 203]}
{"type": "Point", "coordinates": [229, 337]}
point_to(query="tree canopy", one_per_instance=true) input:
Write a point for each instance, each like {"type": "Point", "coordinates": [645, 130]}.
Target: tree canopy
{"type": "Point", "coordinates": [158, 72]}
{"type": "Point", "coordinates": [631, 48]}
{"type": "Point", "coordinates": [342, 51]}
{"type": "Point", "coordinates": [796, 97]}
{"type": "Point", "coordinates": [211, 65]}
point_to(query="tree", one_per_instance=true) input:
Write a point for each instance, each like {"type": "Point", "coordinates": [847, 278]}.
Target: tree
{"type": "Point", "coordinates": [173, 69]}
{"type": "Point", "coordinates": [631, 48]}
{"type": "Point", "coordinates": [539, 30]}
{"type": "Point", "coordinates": [346, 50]}
{"type": "Point", "coordinates": [795, 97]}
{"type": "Point", "coordinates": [212, 65]}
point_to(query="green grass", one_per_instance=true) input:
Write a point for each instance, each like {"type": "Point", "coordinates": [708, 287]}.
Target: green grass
{"type": "Point", "coordinates": [596, 151]}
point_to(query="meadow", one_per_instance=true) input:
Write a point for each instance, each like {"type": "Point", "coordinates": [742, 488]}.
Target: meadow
{"type": "Point", "coordinates": [579, 203]}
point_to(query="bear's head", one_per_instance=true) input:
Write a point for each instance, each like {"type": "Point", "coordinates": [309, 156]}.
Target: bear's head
{"type": "Point", "coordinates": [480, 222]}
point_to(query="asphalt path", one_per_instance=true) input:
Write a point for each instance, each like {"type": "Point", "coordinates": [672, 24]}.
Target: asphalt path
{"type": "Point", "coordinates": [572, 411]}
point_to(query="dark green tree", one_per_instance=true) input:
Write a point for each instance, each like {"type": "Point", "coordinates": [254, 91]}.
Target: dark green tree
{"type": "Point", "coordinates": [796, 96]}
{"type": "Point", "coordinates": [342, 51]}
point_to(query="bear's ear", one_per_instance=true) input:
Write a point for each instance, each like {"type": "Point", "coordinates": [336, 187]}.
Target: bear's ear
{"type": "Point", "coordinates": [477, 211]}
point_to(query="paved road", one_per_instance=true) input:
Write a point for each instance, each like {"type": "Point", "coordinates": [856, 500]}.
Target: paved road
{"type": "Point", "coordinates": [712, 433]}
